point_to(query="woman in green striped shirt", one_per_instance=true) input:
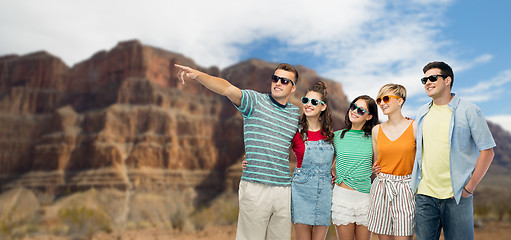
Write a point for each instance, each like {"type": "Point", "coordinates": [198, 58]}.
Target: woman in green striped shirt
{"type": "Point", "coordinates": [353, 161]}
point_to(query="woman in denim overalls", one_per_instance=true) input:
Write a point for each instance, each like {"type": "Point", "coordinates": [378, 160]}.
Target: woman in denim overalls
{"type": "Point", "coordinates": [311, 187]}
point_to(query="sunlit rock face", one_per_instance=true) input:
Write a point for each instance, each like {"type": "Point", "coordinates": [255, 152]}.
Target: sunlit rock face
{"type": "Point", "coordinates": [122, 119]}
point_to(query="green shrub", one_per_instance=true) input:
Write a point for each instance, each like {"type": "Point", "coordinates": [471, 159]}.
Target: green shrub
{"type": "Point", "coordinates": [85, 222]}
{"type": "Point", "coordinates": [222, 211]}
{"type": "Point", "coordinates": [16, 224]}
{"type": "Point", "coordinates": [178, 219]}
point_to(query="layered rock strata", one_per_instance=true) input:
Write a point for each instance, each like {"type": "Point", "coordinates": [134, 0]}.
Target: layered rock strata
{"type": "Point", "coordinates": [121, 119]}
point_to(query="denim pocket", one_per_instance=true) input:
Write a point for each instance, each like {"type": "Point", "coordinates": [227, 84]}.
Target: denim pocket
{"type": "Point", "coordinates": [301, 177]}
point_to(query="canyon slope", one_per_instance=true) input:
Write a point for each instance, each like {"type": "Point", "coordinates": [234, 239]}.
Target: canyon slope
{"type": "Point", "coordinates": [122, 119]}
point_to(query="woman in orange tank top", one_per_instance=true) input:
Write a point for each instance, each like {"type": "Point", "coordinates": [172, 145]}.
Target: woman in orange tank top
{"type": "Point", "coordinates": [392, 204]}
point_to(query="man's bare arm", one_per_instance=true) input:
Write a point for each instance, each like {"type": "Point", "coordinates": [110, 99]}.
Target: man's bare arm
{"type": "Point", "coordinates": [482, 165]}
{"type": "Point", "coordinates": [215, 84]}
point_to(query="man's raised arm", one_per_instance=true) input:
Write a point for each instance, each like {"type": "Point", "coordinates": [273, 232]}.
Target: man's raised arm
{"type": "Point", "coordinates": [215, 84]}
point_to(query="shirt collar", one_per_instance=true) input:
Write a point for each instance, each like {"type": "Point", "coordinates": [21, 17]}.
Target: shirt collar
{"type": "Point", "coordinates": [453, 104]}
{"type": "Point", "coordinates": [277, 103]}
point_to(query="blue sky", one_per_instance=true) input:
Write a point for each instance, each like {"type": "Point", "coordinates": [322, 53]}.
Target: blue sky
{"type": "Point", "coordinates": [361, 43]}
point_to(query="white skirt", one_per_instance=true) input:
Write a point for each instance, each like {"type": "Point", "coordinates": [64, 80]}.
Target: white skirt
{"type": "Point", "coordinates": [349, 206]}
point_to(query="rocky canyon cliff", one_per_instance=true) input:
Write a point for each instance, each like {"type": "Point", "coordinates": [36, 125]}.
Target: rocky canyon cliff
{"type": "Point", "coordinates": [121, 119]}
{"type": "Point", "coordinates": [119, 138]}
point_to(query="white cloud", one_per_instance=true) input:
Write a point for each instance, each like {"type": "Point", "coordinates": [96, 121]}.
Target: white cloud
{"type": "Point", "coordinates": [503, 120]}
{"type": "Point", "coordinates": [212, 31]}
{"type": "Point", "coordinates": [487, 89]}
{"type": "Point", "coordinates": [462, 66]}
{"type": "Point", "coordinates": [364, 43]}
{"type": "Point", "coordinates": [208, 31]}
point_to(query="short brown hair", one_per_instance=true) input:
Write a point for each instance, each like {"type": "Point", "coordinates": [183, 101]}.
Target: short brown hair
{"type": "Point", "coordinates": [289, 68]}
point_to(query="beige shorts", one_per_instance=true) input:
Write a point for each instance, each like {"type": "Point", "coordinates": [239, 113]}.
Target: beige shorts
{"type": "Point", "coordinates": [392, 207]}
{"type": "Point", "coordinates": [265, 211]}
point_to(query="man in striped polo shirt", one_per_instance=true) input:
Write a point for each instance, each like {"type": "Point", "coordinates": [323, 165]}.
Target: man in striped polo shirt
{"type": "Point", "coordinates": [269, 124]}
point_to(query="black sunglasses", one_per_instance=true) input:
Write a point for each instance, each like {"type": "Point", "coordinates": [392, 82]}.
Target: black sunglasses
{"type": "Point", "coordinates": [283, 80]}
{"type": "Point", "coordinates": [360, 111]}
{"type": "Point", "coordinates": [313, 101]}
{"type": "Point", "coordinates": [431, 78]}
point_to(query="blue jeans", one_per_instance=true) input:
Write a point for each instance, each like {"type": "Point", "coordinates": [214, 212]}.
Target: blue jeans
{"type": "Point", "coordinates": [432, 214]}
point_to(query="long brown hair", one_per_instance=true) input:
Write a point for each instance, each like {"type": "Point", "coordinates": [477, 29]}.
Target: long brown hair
{"type": "Point", "coordinates": [325, 117]}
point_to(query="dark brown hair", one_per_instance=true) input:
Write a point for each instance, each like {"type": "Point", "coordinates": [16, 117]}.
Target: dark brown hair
{"type": "Point", "coordinates": [445, 69]}
{"type": "Point", "coordinates": [325, 117]}
{"type": "Point", "coordinates": [289, 68]}
{"type": "Point", "coordinates": [368, 126]}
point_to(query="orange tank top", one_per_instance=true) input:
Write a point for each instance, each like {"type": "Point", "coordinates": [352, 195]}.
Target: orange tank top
{"type": "Point", "coordinates": [396, 157]}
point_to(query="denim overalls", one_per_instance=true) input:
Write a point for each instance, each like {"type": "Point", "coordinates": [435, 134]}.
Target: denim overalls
{"type": "Point", "coordinates": [311, 186]}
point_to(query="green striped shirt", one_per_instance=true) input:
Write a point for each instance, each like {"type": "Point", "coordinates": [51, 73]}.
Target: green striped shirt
{"type": "Point", "coordinates": [268, 129]}
{"type": "Point", "coordinates": [353, 159]}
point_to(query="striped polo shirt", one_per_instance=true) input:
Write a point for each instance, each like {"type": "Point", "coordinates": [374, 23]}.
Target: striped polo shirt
{"type": "Point", "coordinates": [353, 159]}
{"type": "Point", "coordinates": [268, 130]}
